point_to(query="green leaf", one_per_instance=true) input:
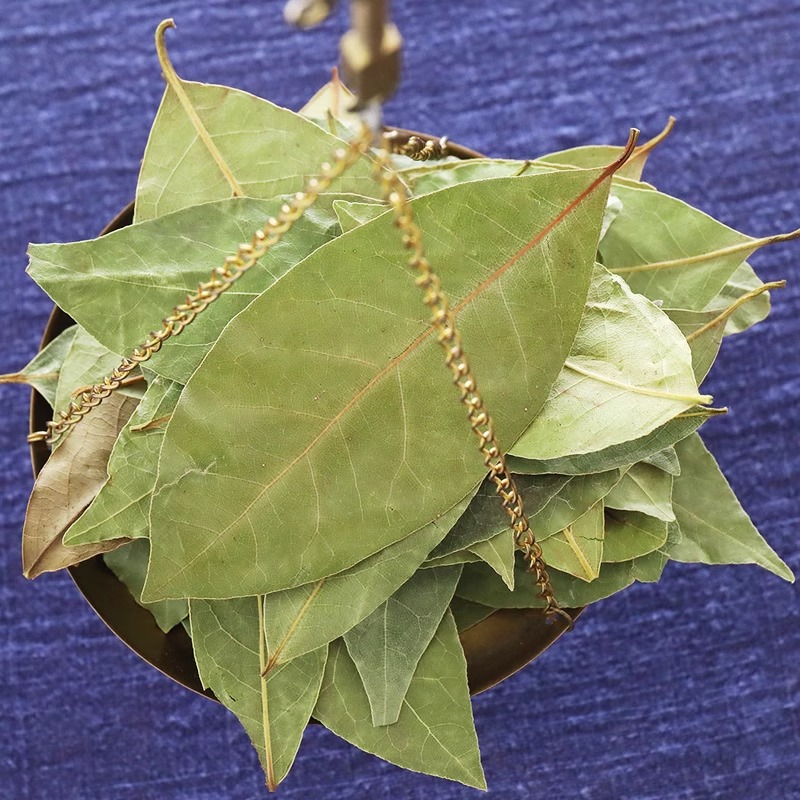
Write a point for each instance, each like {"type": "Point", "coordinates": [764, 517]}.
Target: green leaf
{"type": "Point", "coordinates": [645, 488]}
{"type": "Point", "coordinates": [479, 584]}
{"type": "Point", "coordinates": [265, 149]}
{"type": "Point", "coordinates": [328, 108]}
{"type": "Point", "coordinates": [742, 282]}
{"type": "Point", "coordinates": [300, 455]}
{"type": "Point", "coordinates": [351, 215]}
{"type": "Point", "coordinates": [620, 455]}
{"type": "Point", "coordinates": [468, 614]}
{"type": "Point", "coordinates": [704, 330]}
{"type": "Point", "coordinates": [387, 645]}
{"type": "Point", "coordinates": [578, 549]}
{"type": "Point", "coordinates": [129, 564]}
{"type": "Point", "coordinates": [307, 617]}
{"type": "Point", "coordinates": [630, 534]}
{"type": "Point", "coordinates": [273, 710]}
{"type": "Point", "coordinates": [715, 528]}
{"type": "Point", "coordinates": [434, 734]}
{"type": "Point", "coordinates": [665, 460]}
{"type": "Point", "coordinates": [43, 370]}
{"type": "Point", "coordinates": [498, 553]}
{"type": "Point", "coordinates": [67, 484]}
{"type": "Point", "coordinates": [141, 272]}
{"type": "Point", "coordinates": [686, 271]}
{"type": "Point", "coordinates": [87, 362]}
{"type": "Point", "coordinates": [123, 503]}
{"type": "Point", "coordinates": [629, 371]}
{"type": "Point", "coordinates": [551, 503]}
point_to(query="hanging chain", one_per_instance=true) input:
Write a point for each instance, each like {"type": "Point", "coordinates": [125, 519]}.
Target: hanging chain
{"type": "Point", "coordinates": [221, 279]}
{"type": "Point", "coordinates": [442, 319]}
{"type": "Point", "coordinates": [444, 323]}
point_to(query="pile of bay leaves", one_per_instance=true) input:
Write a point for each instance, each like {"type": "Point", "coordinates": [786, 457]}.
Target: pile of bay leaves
{"type": "Point", "coordinates": [293, 478]}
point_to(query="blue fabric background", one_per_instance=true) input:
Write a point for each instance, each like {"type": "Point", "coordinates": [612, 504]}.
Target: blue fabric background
{"type": "Point", "coordinates": [687, 689]}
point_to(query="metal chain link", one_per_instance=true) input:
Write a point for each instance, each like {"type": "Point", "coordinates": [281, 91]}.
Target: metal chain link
{"type": "Point", "coordinates": [442, 319]}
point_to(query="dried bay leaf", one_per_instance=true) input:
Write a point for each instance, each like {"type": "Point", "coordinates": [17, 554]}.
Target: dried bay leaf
{"type": "Point", "coordinates": [714, 527]}
{"type": "Point", "coordinates": [129, 564]}
{"type": "Point", "coordinates": [682, 272]}
{"type": "Point", "coordinates": [630, 534]}
{"type": "Point", "coordinates": [629, 371]}
{"type": "Point", "coordinates": [498, 553]}
{"type": "Point", "coordinates": [742, 282]}
{"type": "Point", "coordinates": [67, 484]}
{"type": "Point", "coordinates": [266, 149]}
{"type": "Point", "coordinates": [351, 215]}
{"type": "Point", "coordinates": [387, 645]}
{"type": "Point", "coordinates": [551, 502]}
{"type": "Point", "coordinates": [665, 460]}
{"type": "Point", "coordinates": [468, 614]}
{"type": "Point", "coordinates": [274, 710]}
{"type": "Point", "coordinates": [479, 584]}
{"type": "Point", "coordinates": [120, 286]}
{"type": "Point", "coordinates": [123, 503]}
{"type": "Point", "coordinates": [645, 488]}
{"type": "Point", "coordinates": [306, 617]}
{"type": "Point", "coordinates": [316, 440]}
{"type": "Point", "coordinates": [704, 330]}
{"type": "Point", "coordinates": [43, 370]}
{"type": "Point", "coordinates": [578, 549]}
{"type": "Point", "coordinates": [435, 732]}
{"type": "Point", "coordinates": [621, 455]}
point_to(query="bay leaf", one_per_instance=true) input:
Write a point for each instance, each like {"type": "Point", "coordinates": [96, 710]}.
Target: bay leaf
{"type": "Point", "coordinates": [468, 614]}
{"type": "Point", "coordinates": [306, 617]}
{"type": "Point", "coordinates": [715, 528]}
{"type": "Point", "coordinates": [129, 564]}
{"type": "Point", "coordinates": [435, 732]}
{"type": "Point", "coordinates": [743, 281]}
{"type": "Point", "coordinates": [328, 107]}
{"type": "Point", "coordinates": [44, 368]}
{"type": "Point", "coordinates": [620, 455]}
{"type": "Point", "coordinates": [265, 149]}
{"type": "Point", "coordinates": [551, 502]}
{"type": "Point", "coordinates": [578, 549]}
{"type": "Point", "coordinates": [67, 484]}
{"type": "Point", "coordinates": [682, 272]}
{"type": "Point", "coordinates": [628, 372]}
{"type": "Point", "coordinates": [351, 215]}
{"type": "Point", "coordinates": [630, 534]}
{"type": "Point", "coordinates": [301, 454]}
{"type": "Point", "coordinates": [120, 286]}
{"type": "Point", "coordinates": [644, 488]}
{"type": "Point", "coordinates": [274, 710]}
{"type": "Point", "coordinates": [387, 645]}
{"type": "Point", "coordinates": [665, 460]}
{"type": "Point", "coordinates": [479, 584]}
{"type": "Point", "coordinates": [123, 503]}
{"type": "Point", "coordinates": [498, 553]}
{"type": "Point", "coordinates": [86, 363]}
{"type": "Point", "coordinates": [704, 330]}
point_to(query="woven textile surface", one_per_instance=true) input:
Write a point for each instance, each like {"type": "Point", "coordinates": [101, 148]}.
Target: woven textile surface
{"type": "Point", "coordinates": [684, 690]}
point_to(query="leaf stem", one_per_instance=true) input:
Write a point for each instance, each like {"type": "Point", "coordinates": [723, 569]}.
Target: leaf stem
{"type": "Point", "coordinates": [765, 287]}
{"type": "Point", "coordinates": [21, 377]}
{"type": "Point", "coordinates": [175, 83]}
{"type": "Point", "coordinates": [262, 658]}
{"type": "Point", "coordinates": [694, 399]}
{"type": "Point", "coordinates": [644, 149]}
{"type": "Point", "coordinates": [689, 261]}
